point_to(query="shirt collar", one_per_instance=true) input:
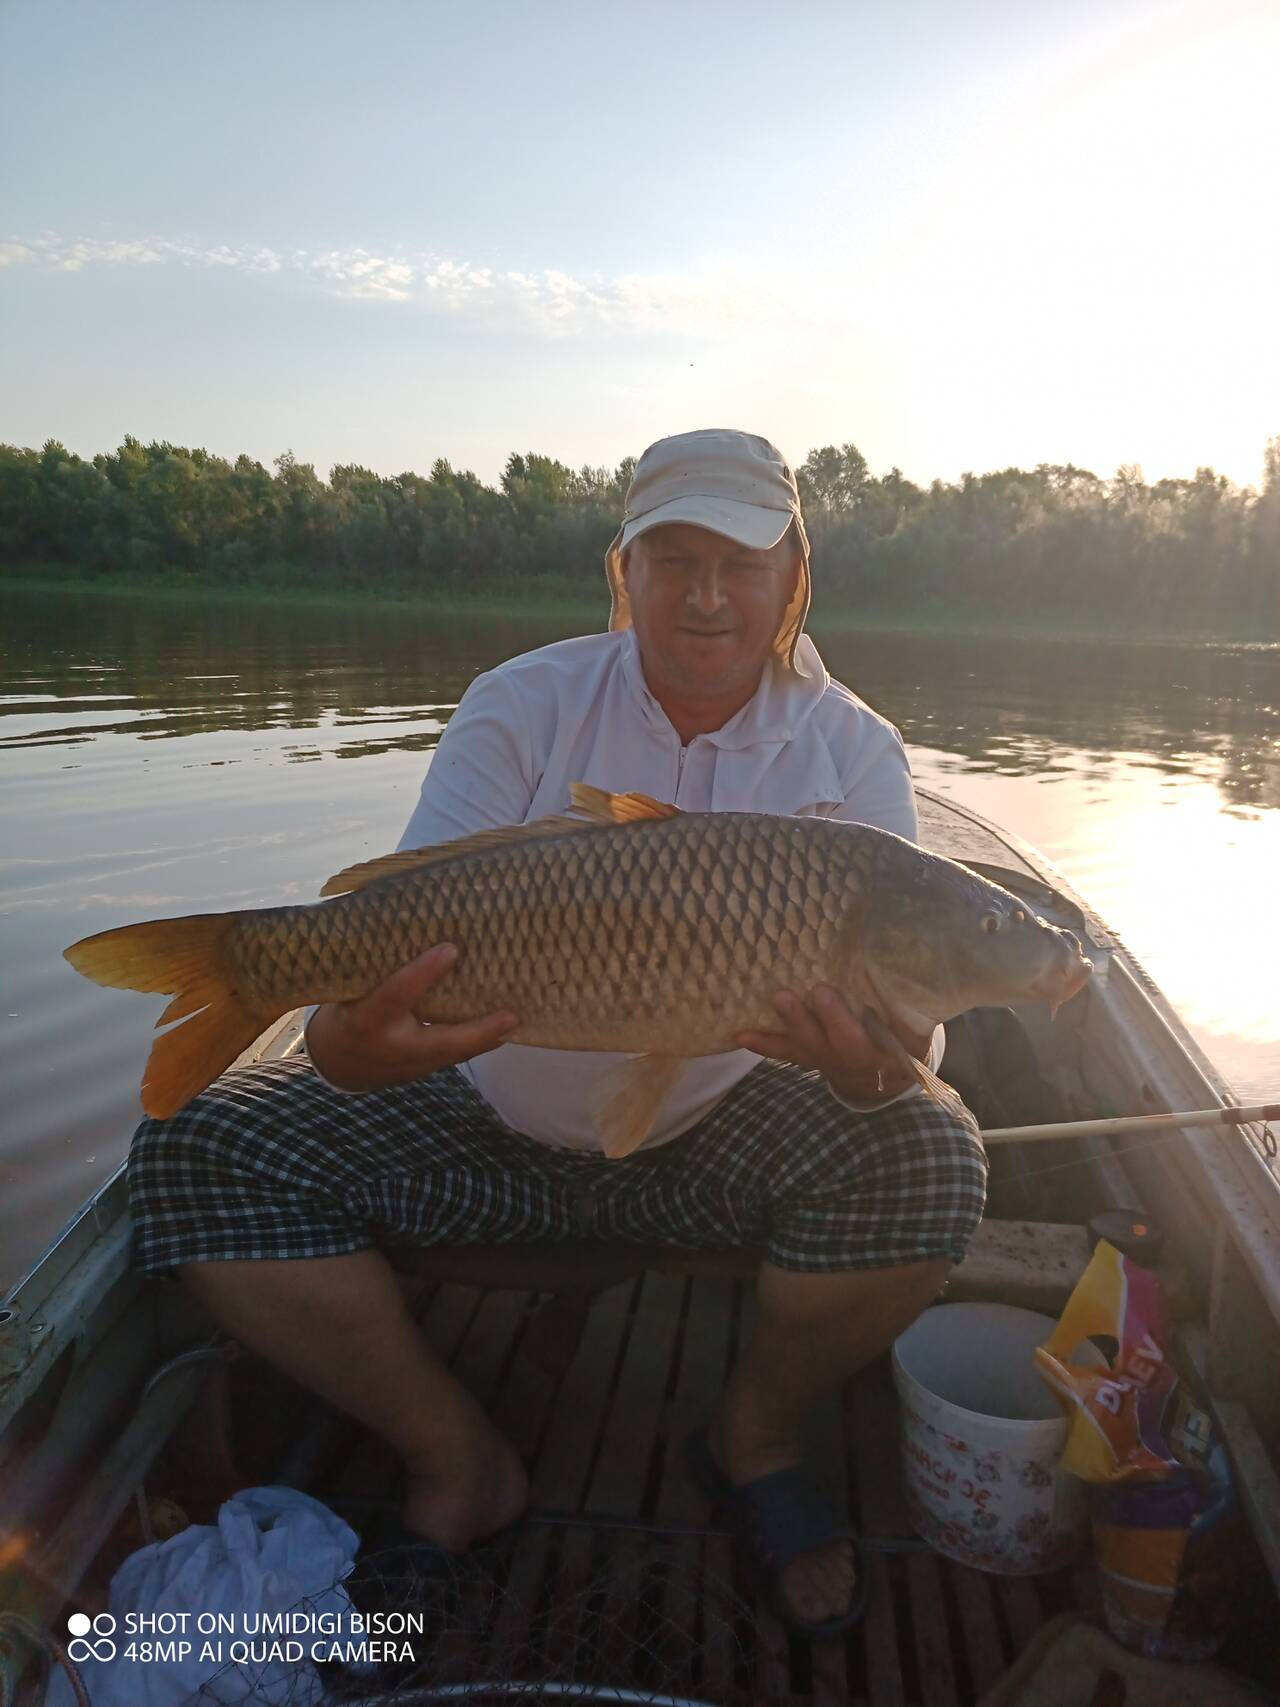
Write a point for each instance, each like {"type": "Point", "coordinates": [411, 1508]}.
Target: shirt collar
{"type": "Point", "coordinates": [774, 713]}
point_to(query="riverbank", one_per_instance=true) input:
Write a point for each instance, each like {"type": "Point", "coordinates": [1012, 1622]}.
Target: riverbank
{"type": "Point", "coordinates": [502, 598]}
{"type": "Point", "coordinates": [569, 602]}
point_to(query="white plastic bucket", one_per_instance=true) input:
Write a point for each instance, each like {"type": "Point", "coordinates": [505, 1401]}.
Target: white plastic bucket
{"type": "Point", "coordinates": [981, 1439]}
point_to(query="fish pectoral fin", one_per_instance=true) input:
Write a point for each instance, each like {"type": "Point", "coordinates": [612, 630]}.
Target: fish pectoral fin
{"type": "Point", "coordinates": [929, 1082]}
{"type": "Point", "coordinates": [634, 1092]}
{"type": "Point", "coordinates": [598, 806]}
{"type": "Point", "coordinates": [933, 1086]}
{"type": "Point", "coordinates": [413, 859]}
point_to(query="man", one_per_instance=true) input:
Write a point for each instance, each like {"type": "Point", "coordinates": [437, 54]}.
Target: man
{"type": "Point", "coordinates": [274, 1193]}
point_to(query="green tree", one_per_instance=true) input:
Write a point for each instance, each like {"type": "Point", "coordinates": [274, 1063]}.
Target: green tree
{"type": "Point", "coordinates": [1045, 542]}
{"type": "Point", "coordinates": [832, 479]}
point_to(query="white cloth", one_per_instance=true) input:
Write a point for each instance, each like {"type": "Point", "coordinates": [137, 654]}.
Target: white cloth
{"type": "Point", "coordinates": [271, 1551]}
{"type": "Point", "coordinates": [580, 711]}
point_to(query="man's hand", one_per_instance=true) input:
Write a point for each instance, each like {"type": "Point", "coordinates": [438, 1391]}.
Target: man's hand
{"type": "Point", "coordinates": [823, 1033]}
{"type": "Point", "coordinates": [377, 1040]}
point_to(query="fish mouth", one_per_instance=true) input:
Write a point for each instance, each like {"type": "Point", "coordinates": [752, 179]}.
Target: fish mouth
{"type": "Point", "coordinates": [1067, 977]}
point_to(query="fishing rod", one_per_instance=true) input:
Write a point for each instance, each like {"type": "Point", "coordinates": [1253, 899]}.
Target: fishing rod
{"type": "Point", "coordinates": [1230, 1116]}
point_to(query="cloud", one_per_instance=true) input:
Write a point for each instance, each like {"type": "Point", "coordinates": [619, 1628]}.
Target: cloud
{"type": "Point", "coordinates": [547, 301]}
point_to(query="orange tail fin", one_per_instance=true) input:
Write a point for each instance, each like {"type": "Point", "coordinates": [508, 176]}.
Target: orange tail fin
{"type": "Point", "coordinates": [182, 958]}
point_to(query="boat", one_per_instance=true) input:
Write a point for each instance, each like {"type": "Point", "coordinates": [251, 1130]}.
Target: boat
{"type": "Point", "coordinates": [119, 1400]}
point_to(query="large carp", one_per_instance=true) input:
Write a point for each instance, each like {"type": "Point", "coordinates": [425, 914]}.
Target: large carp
{"type": "Point", "coordinates": [632, 927]}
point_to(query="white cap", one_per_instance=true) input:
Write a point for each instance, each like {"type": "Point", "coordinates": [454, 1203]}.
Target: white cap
{"type": "Point", "coordinates": [731, 483]}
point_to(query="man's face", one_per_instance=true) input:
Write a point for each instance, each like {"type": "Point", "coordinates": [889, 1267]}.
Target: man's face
{"type": "Point", "coordinates": [706, 610]}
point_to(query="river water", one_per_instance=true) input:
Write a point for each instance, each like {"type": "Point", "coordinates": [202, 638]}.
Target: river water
{"type": "Point", "coordinates": [162, 758]}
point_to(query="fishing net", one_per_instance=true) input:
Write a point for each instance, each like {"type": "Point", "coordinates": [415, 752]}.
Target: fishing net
{"type": "Point", "coordinates": [573, 1616]}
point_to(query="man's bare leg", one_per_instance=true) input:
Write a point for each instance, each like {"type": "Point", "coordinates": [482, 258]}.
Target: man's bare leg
{"type": "Point", "coordinates": [813, 1332]}
{"type": "Point", "coordinates": [340, 1327]}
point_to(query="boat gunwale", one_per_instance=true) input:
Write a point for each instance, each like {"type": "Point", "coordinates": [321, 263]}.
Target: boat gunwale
{"type": "Point", "coordinates": [1248, 1200]}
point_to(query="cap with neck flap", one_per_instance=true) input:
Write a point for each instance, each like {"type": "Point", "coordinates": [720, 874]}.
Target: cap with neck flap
{"type": "Point", "coordinates": [732, 483]}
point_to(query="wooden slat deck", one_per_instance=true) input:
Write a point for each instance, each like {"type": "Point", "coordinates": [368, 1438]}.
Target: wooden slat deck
{"type": "Point", "coordinates": [621, 1575]}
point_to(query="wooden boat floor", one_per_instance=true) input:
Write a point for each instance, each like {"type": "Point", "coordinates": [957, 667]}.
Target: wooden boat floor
{"type": "Point", "coordinates": [621, 1541]}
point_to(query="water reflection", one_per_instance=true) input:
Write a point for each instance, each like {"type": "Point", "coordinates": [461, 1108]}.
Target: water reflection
{"type": "Point", "coordinates": [1013, 706]}
{"type": "Point", "coordinates": [156, 671]}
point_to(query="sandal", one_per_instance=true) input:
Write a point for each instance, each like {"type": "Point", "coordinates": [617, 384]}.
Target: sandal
{"type": "Point", "coordinates": [776, 1519]}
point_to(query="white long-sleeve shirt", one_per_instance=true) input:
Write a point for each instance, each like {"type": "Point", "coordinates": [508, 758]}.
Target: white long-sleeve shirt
{"type": "Point", "coordinates": [580, 711]}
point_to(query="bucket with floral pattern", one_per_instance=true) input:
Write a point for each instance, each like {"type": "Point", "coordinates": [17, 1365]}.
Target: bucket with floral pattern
{"type": "Point", "coordinates": [981, 1440]}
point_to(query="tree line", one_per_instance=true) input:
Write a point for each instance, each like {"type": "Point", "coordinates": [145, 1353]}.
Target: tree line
{"type": "Point", "coordinates": [1029, 544]}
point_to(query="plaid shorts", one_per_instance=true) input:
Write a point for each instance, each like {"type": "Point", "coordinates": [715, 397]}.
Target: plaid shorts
{"type": "Point", "coordinates": [270, 1162]}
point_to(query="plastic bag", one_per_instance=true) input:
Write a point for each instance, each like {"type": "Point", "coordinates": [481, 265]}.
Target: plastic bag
{"type": "Point", "coordinates": [270, 1550]}
{"type": "Point", "coordinates": [1163, 1511]}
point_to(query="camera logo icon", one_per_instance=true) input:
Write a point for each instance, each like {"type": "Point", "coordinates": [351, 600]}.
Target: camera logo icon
{"type": "Point", "coordinates": [103, 1628]}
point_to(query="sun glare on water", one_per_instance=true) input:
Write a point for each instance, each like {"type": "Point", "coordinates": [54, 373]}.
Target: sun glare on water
{"type": "Point", "coordinates": [1188, 883]}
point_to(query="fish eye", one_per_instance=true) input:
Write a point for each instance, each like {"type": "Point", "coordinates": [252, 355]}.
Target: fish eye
{"type": "Point", "coordinates": [990, 923]}
{"type": "Point", "coordinates": [1019, 918]}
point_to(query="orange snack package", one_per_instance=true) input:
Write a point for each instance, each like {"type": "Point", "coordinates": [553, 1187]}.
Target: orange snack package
{"type": "Point", "coordinates": [1162, 1506]}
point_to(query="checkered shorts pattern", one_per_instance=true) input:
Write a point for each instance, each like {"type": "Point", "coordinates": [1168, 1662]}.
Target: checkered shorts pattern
{"type": "Point", "coordinates": [271, 1162]}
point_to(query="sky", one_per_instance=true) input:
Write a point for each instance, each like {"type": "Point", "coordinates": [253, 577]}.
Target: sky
{"type": "Point", "coordinates": [960, 234]}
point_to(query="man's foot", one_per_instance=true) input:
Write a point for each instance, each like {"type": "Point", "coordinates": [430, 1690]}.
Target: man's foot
{"type": "Point", "coordinates": [466, 1494]}
{"type": "Point", "coordinates": [817, 1586]}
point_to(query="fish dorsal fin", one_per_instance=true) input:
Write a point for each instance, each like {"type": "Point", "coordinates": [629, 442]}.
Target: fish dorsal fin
{"type": "Point", "coordinates": [598, 806]}
{"type": "Point", "coordinates": [413, 859]}
{"type": "Point", "coordinates": [594, 809]}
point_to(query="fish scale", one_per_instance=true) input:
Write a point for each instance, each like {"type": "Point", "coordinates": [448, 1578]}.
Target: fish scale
{"type": "Point", "coordinates": [627, 937]}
